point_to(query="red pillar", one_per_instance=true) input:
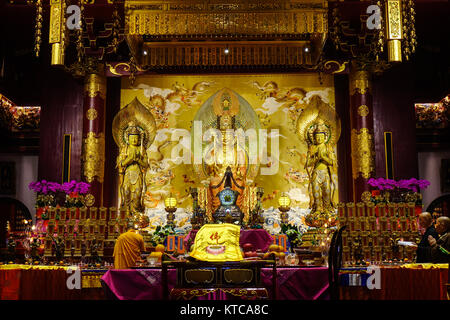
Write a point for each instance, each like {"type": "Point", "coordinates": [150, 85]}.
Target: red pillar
{"type": "Point", "coordinates": [93, 154]}
{"type": "Point", "coordinates": [362, 140]}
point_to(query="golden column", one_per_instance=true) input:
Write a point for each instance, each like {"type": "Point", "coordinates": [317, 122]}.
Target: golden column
{"type": "Point", "coordinates": [93, 154]}
{"type": "Point", "coordinates": [361, 123]}
{"type": "Point", "coordinates": [394, 29]}
{"type": "Point", "coordinates": [57, 31]}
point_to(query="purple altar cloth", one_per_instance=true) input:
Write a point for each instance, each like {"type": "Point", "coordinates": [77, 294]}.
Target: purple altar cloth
{"type": "Point", "coordinates": [292, 283]}
{"type": "Point", "coordinates": [260, 238]}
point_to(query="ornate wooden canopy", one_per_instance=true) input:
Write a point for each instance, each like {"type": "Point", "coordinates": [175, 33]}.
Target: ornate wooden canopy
{"type": "Point", "coordinates": [215, 33]}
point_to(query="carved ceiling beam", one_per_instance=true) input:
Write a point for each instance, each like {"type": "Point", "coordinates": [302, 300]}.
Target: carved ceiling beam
{"type": "Point", "coordinates": [233, 33]}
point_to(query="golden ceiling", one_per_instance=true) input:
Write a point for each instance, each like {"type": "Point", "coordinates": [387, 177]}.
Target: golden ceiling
{"type": "Point", "coordinates": [226, 32]}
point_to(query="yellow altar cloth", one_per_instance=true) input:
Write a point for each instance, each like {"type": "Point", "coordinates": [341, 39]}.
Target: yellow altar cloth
{"type": "Point", "coordinates": [33, 267]}
{"type": "Point", "coordinates": [217, 243]}
{"type": "Point", "coordinates": [425, 265]}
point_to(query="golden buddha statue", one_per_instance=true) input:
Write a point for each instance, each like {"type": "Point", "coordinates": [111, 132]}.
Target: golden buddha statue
{"type": "Point", "coordinates": [229, 116]}
{"type": "Point", "coordinates": [320, 160]}
{"type": "Point", "coordinates": [319, 126]}
{"type": "Point", "coordinates": [131, 163]}
{"type": "Point", "coordinates": [133, 138]}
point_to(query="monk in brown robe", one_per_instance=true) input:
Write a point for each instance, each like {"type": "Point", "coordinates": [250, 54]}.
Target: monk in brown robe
{"type": "Point", "coordinates": [127, 249]}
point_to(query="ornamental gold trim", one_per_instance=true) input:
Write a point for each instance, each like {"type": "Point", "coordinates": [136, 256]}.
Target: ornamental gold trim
{"type": "Point", "coordinates": [366, 196]}
{"type": "Point", "coordinates": [55, 21]}
{"type": "Point", "coordinates": [95, 85]}
{"type": "Point", "coordinates": [393, 19]}
{"type": "Point", "coordinates": [360, 82]}
{"type": "Point", "coordinates": [91, 114]}
{"type": "Point", "coordinates": [238, 17]}
{"type": "Point", "coordinates": [93, 157]}
{"type": "Point", "coordinates": [363, 155]}
{"type": "Point", "coordinates": [363, 110]}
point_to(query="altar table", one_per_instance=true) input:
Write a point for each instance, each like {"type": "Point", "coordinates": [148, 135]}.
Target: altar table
{"type": "Point", "coordinates": [293, 283]}
{"type": "Point", "coordinates": [25, 282]}
{"type": "Point", "coordinates": [408, 282]}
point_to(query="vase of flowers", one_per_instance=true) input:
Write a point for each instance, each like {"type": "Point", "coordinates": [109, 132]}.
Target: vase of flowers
{"type": "Point", "coordinates": [75, 193]}
{"type": "Point", "coordinates": [388, 190]}
{"type": "Point", "coordinates": [47, 196]}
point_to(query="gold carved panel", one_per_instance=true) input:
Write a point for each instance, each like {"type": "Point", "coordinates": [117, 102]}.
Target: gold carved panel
{"type": "Point", "coordinates": [95, 84]}
{"type": "Point", "coordinates": [93, 157]}
{"type": "Point", "coordinates": [360, 82]}
{"type": "Point", "coordinates": [363, 155]}
{"type": "Point", "coordinates": [363, 110]}
{"type": "Point", "coordinates": [55, 21]}
{"type": "Point", "coordinates": [393, 19]}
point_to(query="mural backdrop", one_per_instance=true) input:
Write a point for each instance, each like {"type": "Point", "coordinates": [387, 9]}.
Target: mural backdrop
{"type": "Point", "coordinates": [271, 102]}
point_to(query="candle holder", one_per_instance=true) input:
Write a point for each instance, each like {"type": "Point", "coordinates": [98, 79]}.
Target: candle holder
{"type": "Point", "coordinates": [73, 213]}
{"type": "Point", "coordinates": [372, 220]}
{"type": "Point", "coordinates": [62, 214]}
{"type": "Point", "coordinates": [401, 209]}
{"type": "Point", "coordinates": [103, 213]}
{"type": "Point", "coordinates": [111, 229]}
{"type": "Point", "coordinates": [83, 213]}
{"type": "Point", "coordinates": [346, 256]}
{"type": "Point", "coordinates": [393, 222]}
{"type": "Point", "coordinates": [71, 227]}
{"type": "Point", "coordinates": [343, 222]}
{"type": "Point", "coordinates": [77, 246]}
{"type": "Point", "coordinates": [370, 209]}
{"type": "Point", "coordinates": [352, 224]}
{"type": "Point", "coordinates": [123, 214]}
{"type": "Point", "coordinates": [411, 210]}
{"type": "Point", "coordinates": [88, 243]}
{"type": "Point", "coordinates": [112, 213]}
{"type": "Point", "coordinates": [391, 209]}
{"type": "Point", "coordinates": [92, 225]}
{"type": "Point", "coordinates": [52, 213]}
{"type": "Point", "coordinates": [51, 227]}
{"type": "Point", "coordinates": [345, 238]}
{"type": "Point", "coordinates": [342, 212]}
{"type": "Point", "coordinates": [93, 213]}
{"type": "Point", "coordinates": [360, 210]}
{"type": "Point", "coordinates": [67, 247]}
{"type": "Point", "coordinates": [381, 207]}
{"type": "Point", "coordinates": [350, 209]}
{"type": "Point", "coordinates": [48, 246]}
{"type": "Point", "coordinates": [81, 227]}
{"type": "Point", "coordinates": [61, 227]}
{"type": "Point", "coordinates": [102, 227]}
{"type": "Point", "coordinates": [122, 226]}
{"type": "Point", "coordinates": [377, 253]}
{"type": "Point", "coordinates": [403, 223]}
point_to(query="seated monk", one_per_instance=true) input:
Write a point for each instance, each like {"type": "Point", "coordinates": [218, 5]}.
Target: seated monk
{"type": "Point", "coordinates": [440, 249]}
{"type": "Point", "coordinates": [128, 247]}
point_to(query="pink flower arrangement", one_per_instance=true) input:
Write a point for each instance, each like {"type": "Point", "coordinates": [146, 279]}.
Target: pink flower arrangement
{"type": "Point", "coordinates": [75, 187]}
{"type": "Point", "coordinates": [44, 186]}
{"type": "Point", "coordinates": [389, 184]}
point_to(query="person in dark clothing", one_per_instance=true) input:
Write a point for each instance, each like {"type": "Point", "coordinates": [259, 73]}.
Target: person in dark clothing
{"type": "Point", "coordinates": [423, 249]}
{"type": "Point", "coordinates": [440, 249]}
